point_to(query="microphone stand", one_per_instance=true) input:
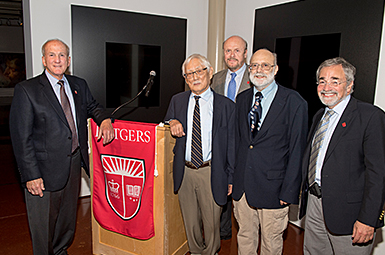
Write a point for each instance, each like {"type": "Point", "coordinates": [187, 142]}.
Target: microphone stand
{"type": "Point", "coordinates": [126, 103]}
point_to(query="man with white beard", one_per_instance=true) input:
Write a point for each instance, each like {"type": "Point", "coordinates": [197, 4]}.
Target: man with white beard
{"type": "Point", "coordinates": [271, 128]}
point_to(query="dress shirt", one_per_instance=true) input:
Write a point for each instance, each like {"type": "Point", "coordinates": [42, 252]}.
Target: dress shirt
{"type": "Point", "coordinates": [206, 114]}
{"type": "Point", "coordinates": [238, 79]}
{"type": "Point", "coordinates": [268, 96]}
{"type": "Point", "coordinates": [56, 89]}
{"type": "Point", "coordinates": [338, 111]}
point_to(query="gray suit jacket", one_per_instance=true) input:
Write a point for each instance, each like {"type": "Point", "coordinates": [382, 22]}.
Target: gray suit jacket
{"type": "Point", "coordinates": [219, 79]}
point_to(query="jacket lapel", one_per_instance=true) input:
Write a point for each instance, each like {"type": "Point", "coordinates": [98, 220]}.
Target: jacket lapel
{"type": "Point", "coordinates": [341, 129]}
{"type": "Point", "coordinates": [275, 110]}
{"type": "Point", "coordinates": [51, 97]}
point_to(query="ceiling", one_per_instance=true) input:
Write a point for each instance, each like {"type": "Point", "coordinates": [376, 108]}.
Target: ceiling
{"type": "Point", "coordinates": [11, 13]}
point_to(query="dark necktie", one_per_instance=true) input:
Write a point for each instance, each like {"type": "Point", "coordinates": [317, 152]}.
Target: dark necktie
{"type": "Point", "coordinates": [65, 103]}
{"type": "Point", "coordinates": [196, 138]}
{"type": "Point", "coordinates": [255, 114]}
{"type": "Point", "coordinates": [232, 87]}
{"type": "Point", "coordinates": [319, 136]}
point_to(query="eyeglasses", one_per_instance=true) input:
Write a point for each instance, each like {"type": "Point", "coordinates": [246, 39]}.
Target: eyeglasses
{"type": "Point", "coordinates": [333, 83]}
{"type": "Point", "coordinates": [264, 66]}
{"type": "Point", "coordinates": [198, 72]}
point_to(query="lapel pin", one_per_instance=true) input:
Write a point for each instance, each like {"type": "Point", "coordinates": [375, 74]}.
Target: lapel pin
{"type": "Point", "coordinates": [248, 82]}
{"type": "Point", "coordinates": [76, 92]}
{"type": "Point", "coordinates": [343, 124]}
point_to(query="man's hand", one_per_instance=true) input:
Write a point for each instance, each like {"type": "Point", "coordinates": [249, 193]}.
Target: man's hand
{"type": "Point", "coordinates": [230, 189]}
{"type": "Point", "coordinates": [176, 128]}
{"type": "Point", "coordinates": [362, 233]}
{"type": "Point", "coordinates": [106, 131]}
{"type": "Point", "coordinates": [36, 187]}
{"type": "Point", "coordinates": [283, 202]}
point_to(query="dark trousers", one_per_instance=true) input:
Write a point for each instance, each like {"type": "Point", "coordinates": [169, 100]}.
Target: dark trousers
{"type": "Point", "coordinates": [52, 218]}
{"type": "Point", "coordinates": [226, 219]}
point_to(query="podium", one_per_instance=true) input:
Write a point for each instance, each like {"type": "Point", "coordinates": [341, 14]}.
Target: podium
{"type": "Point", "coordinates": [170, 236]}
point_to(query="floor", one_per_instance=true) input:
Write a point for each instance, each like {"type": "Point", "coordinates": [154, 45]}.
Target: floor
{"type": "Point", "coordinates": [14, 233]}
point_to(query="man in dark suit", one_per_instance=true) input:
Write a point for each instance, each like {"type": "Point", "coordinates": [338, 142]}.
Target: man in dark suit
{"type": "Point", "coordinates": [230, 82]}
{"type": "Point", "coordinates": [271, 127]}
{"type": "Point", "coordinates": [48, 124]}
{"type": "Point", "coordinates": [203, 123]}
{"type": "Point", "coordinates": [343, 167]}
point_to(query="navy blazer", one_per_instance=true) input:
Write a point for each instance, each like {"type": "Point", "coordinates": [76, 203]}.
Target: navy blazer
{"type": "Point", "coordinates": [268, 167]}
{"type": "Point", "coordinates": [41, 136]}
{"type": "Point", "coordinates": [353, 171]}
{"type": "Point", "coordinates": [222, 151]}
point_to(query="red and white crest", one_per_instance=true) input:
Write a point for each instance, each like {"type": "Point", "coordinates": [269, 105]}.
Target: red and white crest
{"type": "Point", "coordinates": [125, 178]}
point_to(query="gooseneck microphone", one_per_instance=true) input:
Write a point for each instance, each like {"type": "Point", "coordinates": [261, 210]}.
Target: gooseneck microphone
{"type": "Point", "coordinates": [146, 87]}
{"type": "Point", "coordinates": [150, 82]}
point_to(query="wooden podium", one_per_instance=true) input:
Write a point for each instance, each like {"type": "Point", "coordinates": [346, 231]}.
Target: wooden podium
{"type": "Point", "coordinates": [170, 236]}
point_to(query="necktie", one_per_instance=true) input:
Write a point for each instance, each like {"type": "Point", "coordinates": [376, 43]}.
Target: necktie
{"type": "Point", "coordinates": [65, 103]}
{"type": "Point", "coordinates": [232, 87]}
{"type": "Point", "coordinates": [317, 143]}
{"type": "Point", "coordinates": [196, 139]}
{"type": "Point", "coordinates": [255, 114]}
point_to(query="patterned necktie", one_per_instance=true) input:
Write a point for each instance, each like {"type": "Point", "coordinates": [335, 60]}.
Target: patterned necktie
{"type": "Point", "coordinates": [232, 87]}
{"type": "Point", "coordinates": [317, 143]}
{"type": "Point", "coordinates": [255, 114]}
{"type": "Point", "coordinates": [196, 139]}
{"type": "Point", "coordinates": [65, 103]}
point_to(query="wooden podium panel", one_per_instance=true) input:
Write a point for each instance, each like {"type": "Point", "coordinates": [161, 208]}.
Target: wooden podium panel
{"type": "Point", "coordinates": [170, 236]}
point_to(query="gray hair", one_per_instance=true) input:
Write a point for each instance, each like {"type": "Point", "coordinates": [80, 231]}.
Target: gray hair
{"type": "Point", "coordinates": [58, 40]}
{"type": "Point", "coordinates": [201, 58]}
{"type": "Point", "coordinates": [348, 68]}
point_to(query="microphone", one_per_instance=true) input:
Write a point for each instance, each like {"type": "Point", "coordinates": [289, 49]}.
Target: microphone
{"type": "Point", "coordinates": [150, 82]}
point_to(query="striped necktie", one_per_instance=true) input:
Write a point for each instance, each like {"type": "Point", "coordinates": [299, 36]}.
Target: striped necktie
{"type": "Point", "coordinates": [316, 145]}
{"type": "Point", "coordinates": [196, 139]}
{"type": "Point", "coordinates": [65, 103]}
{"type": "Point", "coordinates": [255, 114]}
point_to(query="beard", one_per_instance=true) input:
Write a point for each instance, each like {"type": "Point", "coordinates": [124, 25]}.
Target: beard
{"type": "Point", "coordinates": [331, 102]}
{"type": "Point", "coordinates": [261, 84]}
{"type": "Point", "coordinates": [233, 66]}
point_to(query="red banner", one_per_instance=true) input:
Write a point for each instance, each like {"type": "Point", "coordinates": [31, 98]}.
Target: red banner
{"type": "Point", "coordinates": [123, 179]}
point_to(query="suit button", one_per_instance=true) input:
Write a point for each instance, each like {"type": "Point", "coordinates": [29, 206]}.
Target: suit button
{"type": "Point", "coordinates": [69, 138]}
{"type": "Point", "coordinates": [251, 146]}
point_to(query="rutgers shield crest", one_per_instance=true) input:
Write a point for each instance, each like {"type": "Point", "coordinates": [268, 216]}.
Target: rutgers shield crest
{"type": "Point", "coordinates": [125, 179]}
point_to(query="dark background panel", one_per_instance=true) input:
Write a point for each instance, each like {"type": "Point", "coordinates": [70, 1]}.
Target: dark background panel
{"type": "Point", "coordinates": [320, 27]}
{"type": "Point", "coordinates": [92, 28]}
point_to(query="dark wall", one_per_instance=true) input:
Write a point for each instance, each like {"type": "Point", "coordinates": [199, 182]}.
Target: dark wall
{"type": "Point", "coordinates": [93, 27]}
{"type": "Point", "coordinates": [359, 24]}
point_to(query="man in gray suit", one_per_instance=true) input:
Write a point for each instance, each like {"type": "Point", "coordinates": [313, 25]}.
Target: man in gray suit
{"type": "Point", "coordinates": [235, 54]}
{"type": "Point", "coordinates": [230, 82]}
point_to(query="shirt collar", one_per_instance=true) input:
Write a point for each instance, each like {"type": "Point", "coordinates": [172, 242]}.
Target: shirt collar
{"type": "Point", "coordinates": [238, 72]}
{"type": "Point", "coordinates": [205, 95]}
{"type": "Point", "coordinates": [267, 90]}
{"type": "Point", "coordinates": [53, 80]}
{"type": "Point", "coordinates": [340, 107]}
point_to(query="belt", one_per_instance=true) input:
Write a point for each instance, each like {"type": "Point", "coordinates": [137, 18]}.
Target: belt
{"type": "Point", "coordinates": [190, 165]}
{"type": "Point", "coordinates": [315, 190]}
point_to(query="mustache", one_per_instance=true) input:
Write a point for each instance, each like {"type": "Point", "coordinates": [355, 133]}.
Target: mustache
{"type": "Point", "coordinates": [260, 74]}
{"type": "Point", "coordinates": [328, 92]}
{"type": "Point", "coordinates": [232, 59]}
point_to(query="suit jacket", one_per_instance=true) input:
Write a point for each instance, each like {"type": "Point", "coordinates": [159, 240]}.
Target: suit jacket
{"type": "Point", "coordinates": [219, 80]}
{"type": "Point", "coordinates": [268, 167]}
{"type": "Point", "coordinates": [353, 171]}
{"type": "Point", "coordinates": [222, 151]}
{"type": "Point", "coordinates": [41, 136]}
